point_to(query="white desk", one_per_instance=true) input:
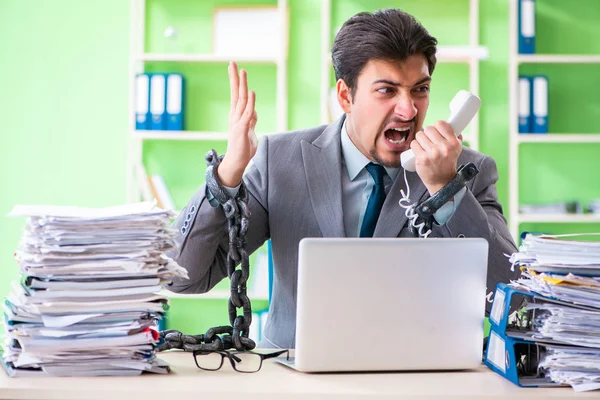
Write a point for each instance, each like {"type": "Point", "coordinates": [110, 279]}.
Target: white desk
{"type": "Point", "coordinates": [276, 381]}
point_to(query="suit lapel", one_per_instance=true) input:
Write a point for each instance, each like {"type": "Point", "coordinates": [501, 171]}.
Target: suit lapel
{"type": "Point", "coordinates": [393, 217]}
{"type": "Point", "coordinates": [323, 165]}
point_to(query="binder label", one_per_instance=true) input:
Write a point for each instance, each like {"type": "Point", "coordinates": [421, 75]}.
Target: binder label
{"type": "Point", "coordinates": [528, 18]}
{"type": "Point", "coordinates": [141, 94]}
{"type": "Point", "coordinates": [524, 91]}
{"type": "Point", "coordinates": [496, 351]}
{"type": "Point", "coordinates": [174, 87]}
{"type": "Point", "coordinates": [498, 307]}
{"type": "Point", "coordinates": [157, 97]}
{"type": "Point", "coordinates": [540, 97]}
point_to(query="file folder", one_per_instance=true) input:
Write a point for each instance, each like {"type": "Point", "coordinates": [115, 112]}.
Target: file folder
{"type": "Point", "coordinates": [158, 89]}
{"type": "Point", "coordinates": [174, 102]}
{"type": "Point", "coordinates": [540, 104]}
{"type": "Point", "coordinates": [142, 101]}
{"type": "Point", "coordinates": [512, 350]}
{"type": "Point", "coordinates": [525, 105]}
{"type": "Point", "coordinates": [507, 299]}
{"type": "Point", "coordinates": [526, 26]}
{"type": "Point", "coordinates": [516, 360]}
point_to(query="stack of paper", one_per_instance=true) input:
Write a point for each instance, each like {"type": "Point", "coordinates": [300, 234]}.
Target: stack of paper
{"type": "Point", "coordinates": [566, 272]}
{"type": "Point", "coordinates": [87, 304]}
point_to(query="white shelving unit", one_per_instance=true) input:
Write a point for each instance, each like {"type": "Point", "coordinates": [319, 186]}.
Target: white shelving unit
{"type": "Point", "coordinates": [516, 139]}
{"type": "Point", "coordinates": [138, 58]}
{"type": "Point", "coordinates": [470, 54]}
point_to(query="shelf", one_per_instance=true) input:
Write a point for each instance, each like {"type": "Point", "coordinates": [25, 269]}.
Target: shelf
{"type": "Point", "coordinates": [560, 218]}
{"type": "Point", "coordinates": [216, 294]}
{"type": "Point", "coordinates": [182, 135]}
{"type": "Point", "coordinates": [453, 54]}
{"type": "Point", "coordinates": [558, 138]}
{"type": "Point", "coordinates": [206, 58]}
{"type": "Point", "coordinates": [558, 58]}
{"type": "Point", "coordinates": [178, 135]}
{"type": "Point", "coordinates": [458, 54]}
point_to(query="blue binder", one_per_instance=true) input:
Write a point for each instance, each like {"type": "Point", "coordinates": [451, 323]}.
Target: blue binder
{"type": "Point", "coordinates": [158, 101]}
{"type": "Point", "coordinates": [142, 101]}
{"type": "Point", "coordinates": [506, 297]}
{"type": "Point", "coordinates": [513, 353]}
{"type": "Point", "coordinates": [526, 26]}
{"type": "Point", "coordinates": [174, 102]}
{"type": "Point", "coordinates": [540, 104]}
{"type": "Point", "coordinates": [515, 359]}
{"type": "Point", "coordinates": [525, 104]}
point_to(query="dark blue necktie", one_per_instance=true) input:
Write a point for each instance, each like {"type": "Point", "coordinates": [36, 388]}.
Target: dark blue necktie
{"type": "Point", "coordinates": [375, 200]}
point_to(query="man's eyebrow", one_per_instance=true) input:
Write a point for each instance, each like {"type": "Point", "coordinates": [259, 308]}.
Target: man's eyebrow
{"type": "Point", "coordinates": [393, 83]}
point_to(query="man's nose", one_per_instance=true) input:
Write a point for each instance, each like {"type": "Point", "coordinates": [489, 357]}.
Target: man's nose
{"type": "Point", "coordinates": [405, 107]}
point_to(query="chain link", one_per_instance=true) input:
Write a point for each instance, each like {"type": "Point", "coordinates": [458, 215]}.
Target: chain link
{"type": "Point", "coordinates": [236, 335]}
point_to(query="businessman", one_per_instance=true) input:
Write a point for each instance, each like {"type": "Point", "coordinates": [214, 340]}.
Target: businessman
{"type": "Point", "coordinates": [319, 182]}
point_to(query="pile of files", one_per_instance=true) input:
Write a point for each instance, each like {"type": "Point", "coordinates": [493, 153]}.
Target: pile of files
{"type": "Point", "coordinates": [87, 302]}
{"type": "Point", "coordinates": [545, 326]}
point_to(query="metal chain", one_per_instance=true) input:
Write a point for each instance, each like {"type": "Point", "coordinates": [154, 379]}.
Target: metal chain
{"type": "Point", "coordinates": [236, 335]}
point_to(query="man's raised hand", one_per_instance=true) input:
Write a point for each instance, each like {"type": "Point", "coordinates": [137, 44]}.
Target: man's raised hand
{"type": "Point", "coordinates": [241, 142]}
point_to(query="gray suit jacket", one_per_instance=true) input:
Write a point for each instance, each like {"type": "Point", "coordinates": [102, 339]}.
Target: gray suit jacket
{"type": "Point", "coordinates": [295, 191]}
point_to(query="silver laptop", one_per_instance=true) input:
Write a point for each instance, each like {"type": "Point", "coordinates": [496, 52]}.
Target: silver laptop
{"type": "Point", "coordinates": [376, 304]}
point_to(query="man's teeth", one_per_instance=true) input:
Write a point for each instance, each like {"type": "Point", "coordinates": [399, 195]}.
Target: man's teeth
{"type": "Point", "coordinates": [396, 141]}
{"type": "Point", "coordinates": [405, 132]}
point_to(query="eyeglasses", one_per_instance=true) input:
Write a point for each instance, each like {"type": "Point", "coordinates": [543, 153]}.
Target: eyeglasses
{"type": "Point", "coordinates": [241, 361]}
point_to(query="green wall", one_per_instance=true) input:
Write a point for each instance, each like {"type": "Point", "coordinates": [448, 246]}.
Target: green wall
{"type": "Point", "coordinates": [63, 107]}
{"type": "Point", "coordinates": [64, 84]}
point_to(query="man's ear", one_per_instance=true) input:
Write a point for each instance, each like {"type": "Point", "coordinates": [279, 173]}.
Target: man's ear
{"type": "Point", "coordinates": [343, 95]}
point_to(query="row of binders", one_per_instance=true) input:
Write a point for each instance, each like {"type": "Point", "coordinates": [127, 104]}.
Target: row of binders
{"type": "Point", "coordinates": [545, 327]}
{"type": "Point", "coordinates": [88, 300]}
{"type": "Point", "coordinates": [159, 101]}
{"type": "Point", "coordinates": [526, 23]}
{"type": "Point", "coordinates": [533, 104]}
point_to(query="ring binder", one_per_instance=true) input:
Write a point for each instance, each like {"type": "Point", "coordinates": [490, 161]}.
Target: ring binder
{"type": "Point", "coordinates": [516, 359]}
{"type": "Point", "coordinates": [515, 350]}
{"type": "Point", "coordinates": [526, 26]}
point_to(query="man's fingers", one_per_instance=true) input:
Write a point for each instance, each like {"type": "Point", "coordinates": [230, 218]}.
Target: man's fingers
{"type": "Point", "coordinates": [416, 148]}
{"type": "Point", "coordinates": [242, 94]}
{"type": "Point", "coordinates": [445, 130]}
{"type": "Point", "coordinates": [253, 120]}
{"type": "Point", "coordinates": [249, 111]}
{"type": "Point", "coordinates": [423, 138]}
{"type": "Point", "coordinates": [234, 83]}
{"type": "Point", "coordinates": [434, 135]}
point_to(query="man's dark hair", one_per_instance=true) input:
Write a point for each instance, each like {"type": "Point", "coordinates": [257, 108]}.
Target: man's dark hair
{"type": "Point", "coordinates": [389, 34]}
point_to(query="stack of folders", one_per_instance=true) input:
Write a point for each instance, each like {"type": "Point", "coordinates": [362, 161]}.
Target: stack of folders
{"type": "Point", "coordinates": [545, 327]}
{"type": "Point", "coordinates": [159, 102]}
{"type": "Point", "coordinates": [86, 304]}
{"type": "Point", "coordinates": [533, 104]}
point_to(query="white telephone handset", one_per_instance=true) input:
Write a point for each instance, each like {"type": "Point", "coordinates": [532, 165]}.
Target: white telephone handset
{"type": "Point", "coordinates": [463, 108]}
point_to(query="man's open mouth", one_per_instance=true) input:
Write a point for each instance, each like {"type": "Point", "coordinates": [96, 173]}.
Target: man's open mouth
{"type": "Point", "coordinates": [397, 135]}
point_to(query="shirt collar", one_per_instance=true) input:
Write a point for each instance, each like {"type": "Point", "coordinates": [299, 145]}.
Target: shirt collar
{"type": "Point", "coordinates": [357, 161]}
